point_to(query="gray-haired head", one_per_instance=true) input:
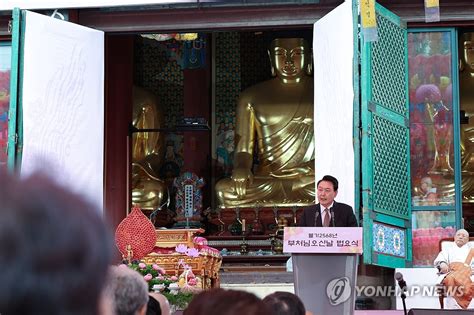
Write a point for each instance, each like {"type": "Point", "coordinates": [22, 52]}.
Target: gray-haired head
{"type": "Point", "coordinates": [129, 290]}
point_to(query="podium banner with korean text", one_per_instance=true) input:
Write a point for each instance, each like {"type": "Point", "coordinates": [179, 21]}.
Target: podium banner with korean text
{"type": "Point", "coordinates": [312, 250]}
{"type": "Point", "coordinates": [322, 240]}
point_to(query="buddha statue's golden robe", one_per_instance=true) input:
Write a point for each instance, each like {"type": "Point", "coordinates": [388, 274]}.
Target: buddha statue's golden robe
{"type": "Point", "coordinates": [276, 118]}
{"type": "Point", "coordinates": [148, 191]}
{"type": "Point", "coordinates": [466, 94]}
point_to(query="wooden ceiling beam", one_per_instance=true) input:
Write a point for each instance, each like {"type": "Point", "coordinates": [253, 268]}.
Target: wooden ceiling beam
{"type": "Point", "coordinates": [198, 19]}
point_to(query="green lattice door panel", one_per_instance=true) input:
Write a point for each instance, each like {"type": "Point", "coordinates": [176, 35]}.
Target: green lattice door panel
{"type": "Point", "coordinates": [385, 145]}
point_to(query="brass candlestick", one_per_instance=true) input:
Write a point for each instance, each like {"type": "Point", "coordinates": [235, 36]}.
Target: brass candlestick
{"type": "Point", "coordinates": [257, 228]}
{"type": "Point", "coordinates": [221, 227]}
{"type": "Point", "coordinates": [275, 214]}
{"type": "Point", "coordinates": [294, 210]}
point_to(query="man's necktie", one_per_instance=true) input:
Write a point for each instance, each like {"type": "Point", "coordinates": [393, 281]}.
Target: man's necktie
{"type": "Point", "coordinates": [327, 217]}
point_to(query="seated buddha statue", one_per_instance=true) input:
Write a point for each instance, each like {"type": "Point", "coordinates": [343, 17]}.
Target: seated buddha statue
{"type": "Point", "coordinates": [276, 116]}
{"type": "Point", "coordinates": [466, 95]}
{"type": "Point", "coordinates": [148, 191]}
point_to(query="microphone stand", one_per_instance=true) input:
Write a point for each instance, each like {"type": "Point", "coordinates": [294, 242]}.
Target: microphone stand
{"type": "Point", "coordinates": [404, 296]}
{"type": "Point", "coordinates": [332, 218]}
{"type": "Point", "coordinates": [403, 286]}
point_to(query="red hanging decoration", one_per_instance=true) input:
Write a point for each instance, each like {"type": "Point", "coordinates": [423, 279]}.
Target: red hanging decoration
{"type": "Point", "coordinates": [135, 236]}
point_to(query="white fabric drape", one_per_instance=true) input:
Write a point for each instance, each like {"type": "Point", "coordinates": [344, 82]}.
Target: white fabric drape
{"type": "Point", "coordinates": [333, 99]}
{"type": "Point", "coordinates": [63, 104]}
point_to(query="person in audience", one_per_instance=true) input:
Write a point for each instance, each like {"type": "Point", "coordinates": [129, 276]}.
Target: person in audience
{"type": "Point", "coordinates": [454, 265]}
{"type": "Point", "coordinates": [55, 249]}
{"type": "Point", "coordinates": [285, 303]}
{"type": "Point", "coordinates": [226, 302]}
{"type": "Point", "coordinates": [107, 305]}
{"type": "Point", "coordinates": [129, 289]}
{"type": "Point", "coordinates": [154, 307]}
{"type": "Point", "coordinates": [158, 305]}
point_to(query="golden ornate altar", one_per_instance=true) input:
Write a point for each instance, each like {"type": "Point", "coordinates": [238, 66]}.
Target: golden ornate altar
{"type": "Point", "coordinates": [206, 265]}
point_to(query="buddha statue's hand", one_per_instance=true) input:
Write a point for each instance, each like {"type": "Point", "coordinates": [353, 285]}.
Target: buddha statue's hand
{"type": "Point", "coordinates": [135, 176]}
{"type": "Point", "coordinates": [241, 177]}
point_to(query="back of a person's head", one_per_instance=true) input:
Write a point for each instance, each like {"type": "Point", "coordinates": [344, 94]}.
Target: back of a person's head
{"type": "Point", "coordinates": [226, 302]}
{"type": "Point", "coordinates": [55, 249]}
{"type": "Point", "coordinates": [284, 303]}
{"type": "Point", "coordinates": [129, 290]}
{"type": "Point", "coordinates": [153, 307]}
{"type": "Point", "coordinates": [158, 304]}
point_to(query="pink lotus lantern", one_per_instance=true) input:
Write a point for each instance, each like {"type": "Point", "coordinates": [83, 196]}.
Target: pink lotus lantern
{"type": "Point", "coordinates": [427, 93]}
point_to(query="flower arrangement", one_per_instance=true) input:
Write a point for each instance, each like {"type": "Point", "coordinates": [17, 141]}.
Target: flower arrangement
{"type": "Point", "coordinates": [178, 290]}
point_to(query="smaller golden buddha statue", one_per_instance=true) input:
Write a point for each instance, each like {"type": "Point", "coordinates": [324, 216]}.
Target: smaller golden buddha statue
{"type": "Point", "coordinates": [277, 115]}
{"type": "Point", "coordinates": [148, 191]}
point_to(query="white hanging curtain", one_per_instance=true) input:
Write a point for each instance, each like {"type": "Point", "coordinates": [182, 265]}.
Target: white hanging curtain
{"type": "Point", "coordinates": [63, 104]}
{"type": "Point", "coordinates": [333, 52]}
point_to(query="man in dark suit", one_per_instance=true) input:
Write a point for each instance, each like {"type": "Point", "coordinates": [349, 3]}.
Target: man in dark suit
{"type": "Point", "coordinates": [328, 212]}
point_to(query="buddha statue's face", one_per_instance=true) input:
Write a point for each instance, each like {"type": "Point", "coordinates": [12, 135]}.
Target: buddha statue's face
{"type": "Point", "coordinates": [289, 58]}
{"type": "Point", "coordinates": [469, 54]}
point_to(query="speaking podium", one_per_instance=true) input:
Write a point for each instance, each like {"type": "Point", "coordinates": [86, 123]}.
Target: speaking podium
{"type": "Point", "coordinates": [325, 266]}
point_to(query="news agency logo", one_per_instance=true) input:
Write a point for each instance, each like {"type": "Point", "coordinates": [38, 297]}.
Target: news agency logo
{"type": "Point", "coordinates": [338, 290]}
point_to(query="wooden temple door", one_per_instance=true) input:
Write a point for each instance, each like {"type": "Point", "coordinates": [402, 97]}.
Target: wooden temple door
{"type": "Point", "coordinates": [385, 147]}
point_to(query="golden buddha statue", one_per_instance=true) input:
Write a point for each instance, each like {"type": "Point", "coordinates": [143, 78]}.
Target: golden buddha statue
{"type": "Point", "coordinates": [466, 95]}
{"type": "Point", "coordinates": [277, 115]}
{"type": "Point", "coordinates": [148, 191]}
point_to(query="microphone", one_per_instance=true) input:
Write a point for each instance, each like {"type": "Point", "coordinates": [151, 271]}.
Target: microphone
{"type": "Point", "coordinates": [332, 217]}
{"type": "Point", "coordinates": [316, 218]}
{"type": "Point", "coordinates": [401, 282]}
{"type": "Point", "coordinates": [403, 287]}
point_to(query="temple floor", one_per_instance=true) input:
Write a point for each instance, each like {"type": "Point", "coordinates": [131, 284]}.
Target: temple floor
{"type": "Point", "coordinates": [259, 283]}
